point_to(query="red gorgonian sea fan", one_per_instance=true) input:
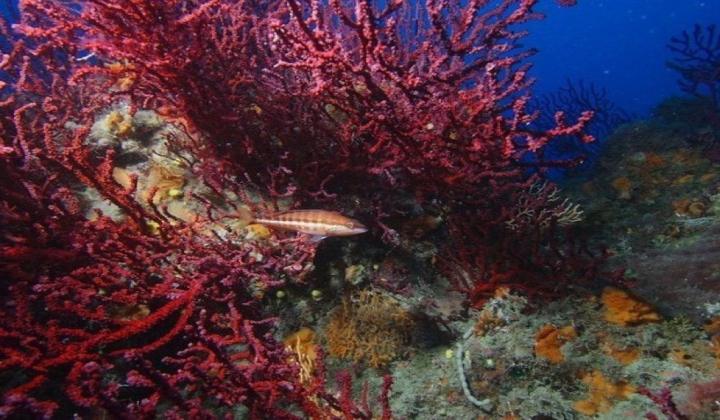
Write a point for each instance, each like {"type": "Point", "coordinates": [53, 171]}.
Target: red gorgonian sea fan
{"type": "Point", "coordinates": [303, 100]}
{"type": "Point", "coordinates": [429, 95]}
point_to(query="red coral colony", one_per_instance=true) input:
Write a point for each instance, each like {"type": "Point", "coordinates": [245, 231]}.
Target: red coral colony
{"type": "Point", "coordinates": [302, 102]}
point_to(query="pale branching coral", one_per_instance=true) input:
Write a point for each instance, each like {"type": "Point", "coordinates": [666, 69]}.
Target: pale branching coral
{"type": "Point", "coordinates": [541, 206]}
{"type": "Point", "coordinates": [301, 345]}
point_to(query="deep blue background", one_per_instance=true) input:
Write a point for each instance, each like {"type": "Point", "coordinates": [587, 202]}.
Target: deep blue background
{"type": "Point", "coordinates": [616, 44]}
{"type": "Point", "coordinates": [8, 9]}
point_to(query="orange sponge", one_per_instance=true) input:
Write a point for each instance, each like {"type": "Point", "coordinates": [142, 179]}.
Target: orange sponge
{"type": "Point", "coordinates": [624, 356]}
{"type": "Point", "coordinates": [601, 394]}
{"type": "Point", "coordinates": [549, 340]}
{"type": "Point", "coordinates": [623, 186]}
{"type": "Point", "coordinates": [621, 308]}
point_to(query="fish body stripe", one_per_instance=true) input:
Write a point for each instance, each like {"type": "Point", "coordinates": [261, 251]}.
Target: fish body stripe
{"type": "Point", "coordinates": [307, 216]}
{"type": "Point", "coordinates": [302, 226]}
{"type": "Point", "coordinates": [315, 222]}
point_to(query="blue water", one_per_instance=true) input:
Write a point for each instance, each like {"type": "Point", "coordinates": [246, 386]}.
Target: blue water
{"type": "Point", "coordinates": [616, 44]}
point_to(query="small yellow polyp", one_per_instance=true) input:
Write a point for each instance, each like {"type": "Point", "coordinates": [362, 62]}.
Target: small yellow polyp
{"type": "Point", "coordinates": [175, 193]}
{"type": "Point", "coordinates": [153, 227]}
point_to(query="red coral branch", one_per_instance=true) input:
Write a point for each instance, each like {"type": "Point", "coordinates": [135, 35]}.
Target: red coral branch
{"type": "Point", "coordinates": [292, 99]}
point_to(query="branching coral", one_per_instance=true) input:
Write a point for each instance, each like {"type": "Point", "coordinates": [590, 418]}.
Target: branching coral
{"type": "Point", "coordinates": [541, 207]}
{"type": "Point", "coordinates": [308, 100]}
{"type": "Point", "coordinates": [305, 352]}
{"type": "Point", "coordinates": [697, 60]}
{"type": "Point", "coordinates": [157, 314]}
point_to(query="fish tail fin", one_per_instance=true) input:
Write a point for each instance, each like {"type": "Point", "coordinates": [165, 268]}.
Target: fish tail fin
{"type": "Point", "coordinates": [245, 215]}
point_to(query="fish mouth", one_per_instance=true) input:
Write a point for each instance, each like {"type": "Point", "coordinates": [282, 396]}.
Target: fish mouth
{"type": "Point", "coordinates": [356, 229]}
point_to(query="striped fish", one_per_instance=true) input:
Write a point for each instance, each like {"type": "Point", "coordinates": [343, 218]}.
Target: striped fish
{"type": "Point", "coordinates": [319, 223]}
